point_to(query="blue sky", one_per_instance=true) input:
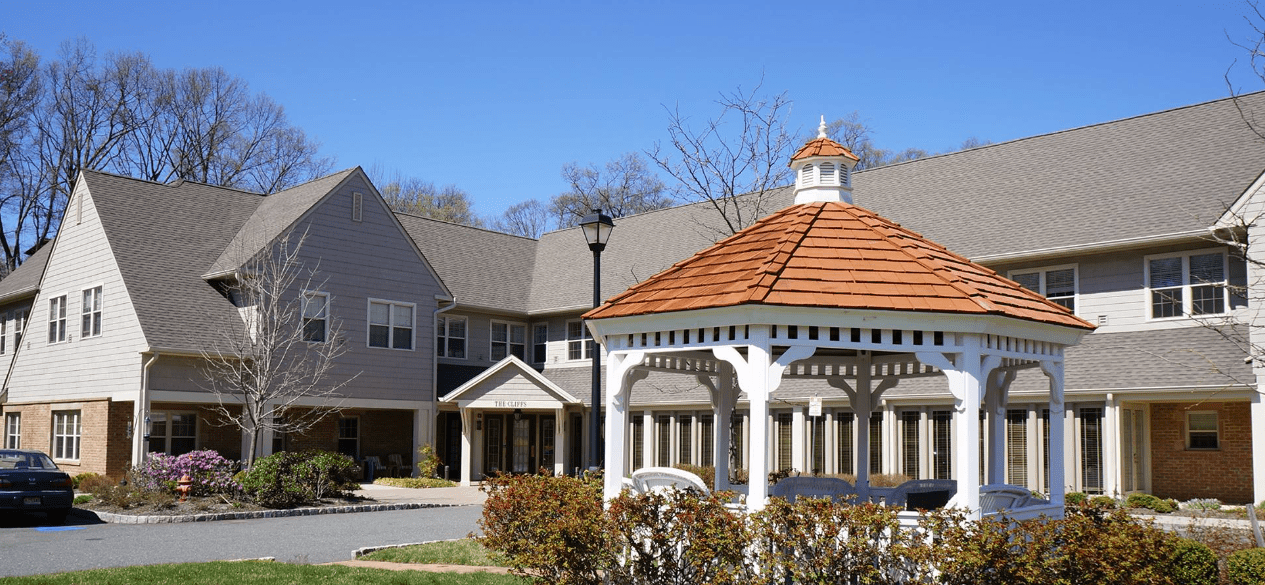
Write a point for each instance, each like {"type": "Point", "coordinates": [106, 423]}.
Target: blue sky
{"type": "Point", "coordinates": [496, 97]}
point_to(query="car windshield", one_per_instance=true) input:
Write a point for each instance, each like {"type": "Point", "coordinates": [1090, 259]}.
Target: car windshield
{"type": "Point", "coordinates": [18, 460]}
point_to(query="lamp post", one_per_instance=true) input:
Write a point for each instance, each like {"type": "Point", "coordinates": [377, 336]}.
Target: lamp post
{"type": "Point", "coordinates": [597, 231]}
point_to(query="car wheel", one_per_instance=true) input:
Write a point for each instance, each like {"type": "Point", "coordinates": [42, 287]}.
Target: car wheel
{"type": "Point", "coordinates": [58, 516]}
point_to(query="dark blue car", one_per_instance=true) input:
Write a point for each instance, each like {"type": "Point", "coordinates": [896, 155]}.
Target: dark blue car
{"type": "Point", "coordinates": [31, 482]}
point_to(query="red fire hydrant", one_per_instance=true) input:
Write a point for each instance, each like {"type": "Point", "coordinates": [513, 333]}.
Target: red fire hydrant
{"type": "Point", "coordinates": [184, 486]}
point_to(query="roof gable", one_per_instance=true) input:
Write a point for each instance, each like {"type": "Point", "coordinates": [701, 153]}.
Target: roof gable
{"type": "Point", "coordinates": [508, 382]}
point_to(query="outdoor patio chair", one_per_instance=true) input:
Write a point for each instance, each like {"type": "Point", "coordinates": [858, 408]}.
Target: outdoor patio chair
{"type": "Point", "coordinates": [657, 479]}
{"type": "Point", "coordinates": [924, 494]}
{"type": "Point", "coordinates": [998, 497]}
{"type": "Point", "coordinates": [834, 488]}
{"type": "Point", "coordinates": [395, 465]}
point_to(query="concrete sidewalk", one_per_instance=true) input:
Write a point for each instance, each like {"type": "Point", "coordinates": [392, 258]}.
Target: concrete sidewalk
{"type": "Point", "coordinates": [446, 496]}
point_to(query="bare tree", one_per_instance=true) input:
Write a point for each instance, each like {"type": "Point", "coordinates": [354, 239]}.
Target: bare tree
{"type": "Point", "coordinates": [856, 135]}
{"type": "Point", "coordinates": [123, 115]}
{"type": "Point", "coordinates": [272, 369]}
{"type": "Point", "coordinates": [734, 160]}
{"type": "Point", "coordinates": [625, 186]}
{"type": "Point", "coordinates": [419, 197]}
{"type": "Point", "coordinates": [529, 219]}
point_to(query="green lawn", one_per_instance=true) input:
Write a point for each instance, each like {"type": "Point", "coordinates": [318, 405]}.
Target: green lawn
{"type": "Point", "coordinates": [261, 573]}
{"type": "Point", "coordinates": [455, 552]}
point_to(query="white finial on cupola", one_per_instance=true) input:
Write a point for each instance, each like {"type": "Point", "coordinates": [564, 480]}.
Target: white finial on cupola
{"type": "Point", "coordinates": [823, 170]}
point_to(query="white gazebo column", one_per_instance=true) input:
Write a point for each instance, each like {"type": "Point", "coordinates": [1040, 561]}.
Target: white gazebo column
{"type": "Point", "coordinates": [467, 444]}
{"type": "Point", "coordinates": [1058, 482]}
{"type": "Point", "coordinates": [618, 387]}
{"type": "Point", "coordinates": [966, 375]}
{"type": "Point", "coordinates": [759, 375]}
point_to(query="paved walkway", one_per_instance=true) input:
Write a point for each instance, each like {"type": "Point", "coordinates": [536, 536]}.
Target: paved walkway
{"type": "Point", "coordinates": [449, 496]}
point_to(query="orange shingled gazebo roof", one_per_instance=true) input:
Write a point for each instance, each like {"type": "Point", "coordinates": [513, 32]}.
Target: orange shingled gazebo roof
{"type": "Point", "coordinates": [833, 255]}
{"type": "Point", "coordinates": [822, 146]}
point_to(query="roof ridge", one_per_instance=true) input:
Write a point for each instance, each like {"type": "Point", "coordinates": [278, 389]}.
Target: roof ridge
{"type": "Point", "coordinates": [462, 225]}
{"type": "Point", "coordinates": [801, 221]}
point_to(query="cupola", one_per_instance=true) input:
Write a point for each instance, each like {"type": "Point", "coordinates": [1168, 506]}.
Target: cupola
{"type": "Point", "coordinates": [823, 170]}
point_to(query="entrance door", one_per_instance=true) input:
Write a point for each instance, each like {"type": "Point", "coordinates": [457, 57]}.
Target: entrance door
{"type": "Point", "coordinates": [546, 442]}
{"type": "Point", "coordinates": [493, 441]}
{"type": "Point", "coordinates": [522, 445]}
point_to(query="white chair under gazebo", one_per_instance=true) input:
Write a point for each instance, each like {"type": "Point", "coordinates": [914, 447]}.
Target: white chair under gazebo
{"type": "Point", "coordinates": [827, 291]}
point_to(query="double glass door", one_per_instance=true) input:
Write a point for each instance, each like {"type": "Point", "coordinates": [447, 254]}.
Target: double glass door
{"type": "Point", "coordinates": [522, 444]}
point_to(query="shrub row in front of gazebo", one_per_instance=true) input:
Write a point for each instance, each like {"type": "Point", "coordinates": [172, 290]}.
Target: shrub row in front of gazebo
{"type": "Point", "coordinates": [558, 530]}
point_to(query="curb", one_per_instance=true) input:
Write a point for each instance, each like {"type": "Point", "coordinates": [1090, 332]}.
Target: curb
{"type": "Point", "coordinates": [113, 518]}
{"type": "Point", "coordinates": [362, 551]}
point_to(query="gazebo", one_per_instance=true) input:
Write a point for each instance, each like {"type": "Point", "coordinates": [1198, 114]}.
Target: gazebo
{"type": "Point", "coordinates": [828, 291]}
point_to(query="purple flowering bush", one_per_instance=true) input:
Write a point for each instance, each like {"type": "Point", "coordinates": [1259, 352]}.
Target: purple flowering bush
{"type": "Point", "coordinates": [211, 473]}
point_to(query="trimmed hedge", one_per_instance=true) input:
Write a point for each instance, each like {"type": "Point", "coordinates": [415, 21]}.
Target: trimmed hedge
{"type": "Point", "coordinates": [288, 479]}
{"type": "Point", "coordinates": [1246, 567]}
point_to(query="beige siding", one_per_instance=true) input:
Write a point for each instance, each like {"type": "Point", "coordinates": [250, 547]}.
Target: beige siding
{"type": "Point", "coordinates": [94, 367]}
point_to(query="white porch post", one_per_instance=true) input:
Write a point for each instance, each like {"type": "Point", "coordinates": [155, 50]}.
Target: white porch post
{"type": "Point", "coordinates": [1058, 482]}
{"type": "Point", "coordinates": [618, 384]}
{"type": "Point", "coordinates": [559, 440]}
{"type": "Point", "coordinates": [1111, 446]}
{"type": "Point", "coordinates": [799, 461]}
{"type": "Point", "coordinates": [467, 444]}
{"type": "Point", "coordinates": [421, 434]}
{"type": "Point", "coordinates": [1258, 446]}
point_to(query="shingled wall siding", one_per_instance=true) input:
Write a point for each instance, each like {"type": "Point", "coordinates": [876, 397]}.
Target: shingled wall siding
{"type": "Point", "coordinates": [1183, 474]}
{"type": "Point", "coordinates": [80, 368]}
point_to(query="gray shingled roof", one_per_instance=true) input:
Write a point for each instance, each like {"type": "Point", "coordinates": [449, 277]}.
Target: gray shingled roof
{"type": "Point", "coordinates": [274, 215]}
{"type": "Point", "coordinates": [1172, 359]}
{"type": "Point", "coordinates": [25, 281]}
{"type": "Point", "coordinates": [1157, 174]}
{"type": "Point", "coordinates": [163, 238]}
{"type": "Point", "coordinates": [481, 268]}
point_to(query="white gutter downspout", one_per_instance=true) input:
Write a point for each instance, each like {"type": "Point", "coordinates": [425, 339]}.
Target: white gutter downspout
{"type": "Point", "coordinates": [140, 411]}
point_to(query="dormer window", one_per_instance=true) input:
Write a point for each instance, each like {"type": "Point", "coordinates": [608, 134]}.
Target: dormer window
{"type": "Point", "coordinates": [806, 176]}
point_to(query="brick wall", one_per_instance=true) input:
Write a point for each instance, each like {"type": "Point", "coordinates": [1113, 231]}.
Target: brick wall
{"type": "Point", "coordinates": [1224, 473]}
{"type": "Point", "coordinates": [99, 426]}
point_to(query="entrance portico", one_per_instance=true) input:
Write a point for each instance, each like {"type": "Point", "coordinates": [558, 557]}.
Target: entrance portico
{"type": "Point", "coordinates": [512, 420]}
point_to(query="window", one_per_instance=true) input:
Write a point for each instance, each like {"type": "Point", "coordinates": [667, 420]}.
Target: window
{"type": "Point", "coordinates": [1186, 284]}
{"type": "Point", "coordinates": [1091, 450]}
{"type": "Point", "coordinates": [817, 431]}
{"type": "Point", "coordinates": [784, 461]}
{"type": "Point", "coordinates": [685, 442]}
{"type": "Point", "coordinates": [13, 430]}
{"type": "Point", "coordinates": [665, 441]}
{"type": "Point", "coordinates": [540, 342]}
{"type": "Point", "coordinates": [315, 317]}
{"type": "Point", "coordinates": [579, 342]}
{"type": "Point", "coordinates": [1201, 430]}
{"type": "Point", "coordinates": [19, 324]}
{"type": "Point", "coordinates": [278, 436]}
{"type": "Point", "coordinates": [1056, 284]}
{"type": "Point", "coordinates": [508, 339]}
{"type": "Point", "coordinates": [876, 442]}
{"type": "Point", "coordinates": [845, 448]}
{"type": "Point", "coordinates": [91, 313]}
{"type": "Point", "coordinates": [349, 437]}
{"type": "Point", "coordinates": [737, 451]}
{"type": "Point", "coordinates": [638, 441]}
{"type": "Point", "coordinates": [66, 424]}
{"type": "Point", "coordinates": [173, 433]}
{"type": "Point", "coordinates": [942, 444]}
{"type": "Point", "coordinates": [451, 337]}
{"type": "Point", "coordinates": [707, 441]}
{"type": "Point", "coordinates": [909, 443]}
{"type": "Point", "coordinates": [1017, 447]}
{"type": "Point", "coordinates": [390, 325]}
{"type": "Point", "coordinates": [4, 330]}
{"type": "Point", "coordinates": [57, 319]}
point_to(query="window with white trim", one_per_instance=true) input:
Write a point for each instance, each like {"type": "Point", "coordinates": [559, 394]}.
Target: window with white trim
{"type": "Point", "coordinates": [57, 319]}
{"type": "Point", "coordinates": [315, 316]}
{"type": "Point", "coordinates": [579, 341]}
{"type": "Point", "coordinates": [173, 433]}
{"type": "Point", "coordinates": [91, 312]}
{"type": "Point", "coordinates": [19, 325]}
{"type": "Point", "coordinates": [1186, 284]}
{"type": "Point", "coordinates": [540, 342]}
{"type": "Point", "coordinates": [66, 431]}
{"type": "Point", "coordinates": [450, 337]}
{"type": "Point", "coordinates": [1057, 284]}
{"type": "Point", "coordinates": [1201, 430]}
{"type": "Point", "coordinates": [508, 339]}
{"type": "Point", "coordinates": [13, 430]}
{"type": "Point", "coordinates": [390, 324]}
{"type": "Point", "coordinates": [349, 436]}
